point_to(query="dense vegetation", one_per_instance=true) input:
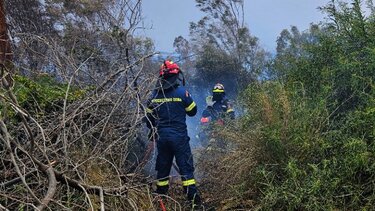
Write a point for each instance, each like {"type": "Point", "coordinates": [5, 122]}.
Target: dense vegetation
{"type": "Point", "coordinates": [71, 123]}
{"type": "Point", "coordinates": [311, 124]}
{"type": "Point", "coordinates": [322, 116]}
{"type": "Point", "coordinates": [71, 106]}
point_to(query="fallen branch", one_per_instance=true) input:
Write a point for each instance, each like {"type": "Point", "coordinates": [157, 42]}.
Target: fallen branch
{"type": "Point", "coordinates": [52, 184]}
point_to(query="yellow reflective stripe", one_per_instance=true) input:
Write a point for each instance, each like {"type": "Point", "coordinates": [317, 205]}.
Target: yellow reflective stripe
{"type": "Point", "coordinates": [230, 110]}
{"type": "Point", "coordinates": [165, 100]}
{"type": "Point", "coordinates": [162, 183]}
{"type": "Point", "coordinates": [188, 182]}
{"type": "Point", "coordinates": [217, 90]}
{"type": "Point", "coordinates": [190, 107]}
{"type": "Point", "coordinates": [148, 110]}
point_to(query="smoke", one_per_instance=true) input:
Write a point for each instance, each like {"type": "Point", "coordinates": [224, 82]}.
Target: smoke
{"type": "Point", "coordinates": [199, 94]}
{"type": "Point", "coordinates": [193, 123]}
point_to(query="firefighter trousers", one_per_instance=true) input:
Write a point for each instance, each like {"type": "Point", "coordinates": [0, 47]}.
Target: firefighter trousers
{"type": "Point", "coordinates": [168, 149]}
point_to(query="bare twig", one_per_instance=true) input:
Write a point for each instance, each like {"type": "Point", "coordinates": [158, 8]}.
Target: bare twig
{"type": "Point", "coordinates": [17, 180]}
{"type": "Point", "coordinates": [5, 137]}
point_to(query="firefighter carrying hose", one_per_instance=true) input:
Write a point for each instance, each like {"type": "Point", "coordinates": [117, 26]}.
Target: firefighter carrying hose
{"type": "Point", "coordinates": [166, 111]}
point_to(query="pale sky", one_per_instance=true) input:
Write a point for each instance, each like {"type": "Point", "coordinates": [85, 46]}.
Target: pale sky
{"type": "Point", "coordinates": [167, 19]}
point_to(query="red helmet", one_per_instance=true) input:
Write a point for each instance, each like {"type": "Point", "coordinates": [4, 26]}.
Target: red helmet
{"type": "Point", "coordinates": [169, 68]}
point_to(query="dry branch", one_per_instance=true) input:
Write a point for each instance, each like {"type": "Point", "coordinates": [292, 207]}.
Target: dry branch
{"type": "Point", "coordinates": [77, 146]}
{"type": "Point", "coordinates": [16, 180]}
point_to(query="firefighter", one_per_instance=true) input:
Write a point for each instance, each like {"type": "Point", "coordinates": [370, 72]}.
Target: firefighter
{"type": "Point", "coordinates": [218, 107]}
{"type": "Point", "coordinates": [218, 111]}
{"type": "Point", "coordinates": [167, 110]}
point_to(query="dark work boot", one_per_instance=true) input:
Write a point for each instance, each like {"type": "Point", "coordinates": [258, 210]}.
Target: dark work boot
{"type": "Point", "coordinates": [195, 202]}
{"type": "Point", "coordinates": [162, 189]}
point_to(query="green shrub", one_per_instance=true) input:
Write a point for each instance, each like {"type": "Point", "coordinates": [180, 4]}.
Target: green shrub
{"type": "Point", "coordinates": [44, 94]}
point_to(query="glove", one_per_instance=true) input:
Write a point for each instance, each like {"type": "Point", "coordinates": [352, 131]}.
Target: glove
{"type": "Point", "coordinates": [209, 101]}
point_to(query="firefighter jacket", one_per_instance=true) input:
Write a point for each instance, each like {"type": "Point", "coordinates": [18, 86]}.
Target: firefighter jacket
{"type": "Point", "coordinates": [219, 111]}
{"type": "Point", "coordinates": [167, 110]}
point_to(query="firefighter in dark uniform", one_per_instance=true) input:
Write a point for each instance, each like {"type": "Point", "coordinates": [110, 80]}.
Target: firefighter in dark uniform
{"type": "Point", "coordinates": [218, 112]}
{"type": "Point", "coordinates": [167, 110]}
{"type": "Point", "coordinates": [218, 107]}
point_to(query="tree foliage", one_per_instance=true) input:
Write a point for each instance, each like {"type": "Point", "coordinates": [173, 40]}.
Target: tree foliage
{"type": "Point", "coordinates": [314, 122]}
{"type": "Point", "coordinates": [224, 48]}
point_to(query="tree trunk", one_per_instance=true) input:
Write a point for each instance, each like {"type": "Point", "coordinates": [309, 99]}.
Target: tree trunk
{"type": "Point", "coordinates": [5, 50]}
